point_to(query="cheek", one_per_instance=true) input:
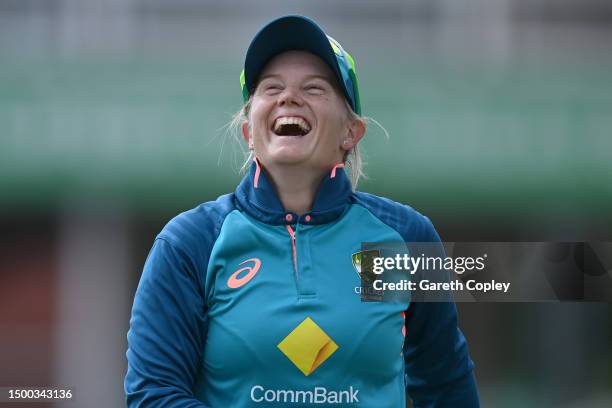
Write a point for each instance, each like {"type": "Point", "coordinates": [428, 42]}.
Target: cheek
{"type": "Point", "coordinates": [333, 114]}
{"type": "Point", "coordinates": [258, 119]}
{"type": "Point", "coordinates": [335, 129]}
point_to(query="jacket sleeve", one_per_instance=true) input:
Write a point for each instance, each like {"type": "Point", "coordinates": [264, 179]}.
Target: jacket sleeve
{"type": "Point", "coordinates": [167, 331]}
{"type": "Point", "coordinates": [439, 371]}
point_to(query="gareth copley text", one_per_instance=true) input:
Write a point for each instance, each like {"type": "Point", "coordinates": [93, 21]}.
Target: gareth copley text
{"type": "Point", "coordinates": [425, 285]}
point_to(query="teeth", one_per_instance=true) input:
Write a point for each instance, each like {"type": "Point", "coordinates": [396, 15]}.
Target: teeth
{"type": "Point", "coordinates": [291, 120]}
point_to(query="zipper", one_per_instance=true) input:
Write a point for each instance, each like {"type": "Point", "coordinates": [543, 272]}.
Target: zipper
{"type": "Point", "coordinates": [292, 235]}
{"type": "Point", "coordinates": [304, 280]}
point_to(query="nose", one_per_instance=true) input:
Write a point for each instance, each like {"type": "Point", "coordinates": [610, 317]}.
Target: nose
{"type": "Point", "coordinates": [290, 96]}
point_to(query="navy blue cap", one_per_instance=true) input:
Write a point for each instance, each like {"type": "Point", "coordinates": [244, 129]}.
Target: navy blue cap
{"type": "Point", "coordinates": [296, 32]}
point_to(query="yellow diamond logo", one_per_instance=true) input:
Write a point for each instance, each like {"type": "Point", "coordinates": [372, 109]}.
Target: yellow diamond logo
{"type": "Point", "coordinates": [307, 346]}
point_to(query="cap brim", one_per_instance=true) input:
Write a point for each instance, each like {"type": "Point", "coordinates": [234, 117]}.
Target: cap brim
{"type": "Point", "coordinates": [286, 34]}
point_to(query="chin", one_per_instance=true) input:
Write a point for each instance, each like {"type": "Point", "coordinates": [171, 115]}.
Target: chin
{"type": "Point", "coordinates": [288, 156]}
{"type": "Point", "coordinates": [288, 160]}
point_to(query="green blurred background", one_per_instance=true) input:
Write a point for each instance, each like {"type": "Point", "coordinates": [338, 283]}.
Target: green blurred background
{"type": "Point", "coordinates": [111, 122]}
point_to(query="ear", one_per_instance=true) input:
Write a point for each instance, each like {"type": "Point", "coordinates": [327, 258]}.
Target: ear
{"type": "Point", "coordinates": [246, 133]}
{"type": "Point", "coordinates": [356, 130]}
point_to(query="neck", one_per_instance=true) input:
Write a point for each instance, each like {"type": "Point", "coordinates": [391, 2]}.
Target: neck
{"type": "Point", "coordinates": [295, 186]}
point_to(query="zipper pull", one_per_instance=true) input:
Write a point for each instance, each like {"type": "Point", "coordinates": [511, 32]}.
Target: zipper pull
{"type": "Point", "coordinates": [292, 235]}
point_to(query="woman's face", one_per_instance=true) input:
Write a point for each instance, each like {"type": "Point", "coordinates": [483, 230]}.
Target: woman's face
{"type": "Point", "coordinates": [298, 115]}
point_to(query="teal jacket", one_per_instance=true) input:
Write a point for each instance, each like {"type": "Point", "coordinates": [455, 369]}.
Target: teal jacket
{"type": "Point", "coordinates": [243, 304]}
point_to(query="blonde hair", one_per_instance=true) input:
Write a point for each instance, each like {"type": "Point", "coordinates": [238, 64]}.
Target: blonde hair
{"type": "Point", "coordinates": [353, 159]}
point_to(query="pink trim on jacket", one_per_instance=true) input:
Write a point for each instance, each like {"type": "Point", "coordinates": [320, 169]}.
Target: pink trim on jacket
{"type": "Point", "coordinates": [257, 172]}
{"type": "Point", "coordinates": [333, 171]}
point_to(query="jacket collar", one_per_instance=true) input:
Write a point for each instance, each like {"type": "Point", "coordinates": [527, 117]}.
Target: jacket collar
{"type": "Point", "coordinates": [257, 197]}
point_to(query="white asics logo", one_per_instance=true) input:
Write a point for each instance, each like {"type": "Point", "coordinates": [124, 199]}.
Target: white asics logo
{"type": "Point", "coordinates": [319, 395]}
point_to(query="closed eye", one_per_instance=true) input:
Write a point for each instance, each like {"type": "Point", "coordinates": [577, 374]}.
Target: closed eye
{"type": "Point", "coordinates": [272, 89]}
{"type": "Point", "coordinates": [315, 89]}
{"type": "Point", "coordinates": [269, 86]}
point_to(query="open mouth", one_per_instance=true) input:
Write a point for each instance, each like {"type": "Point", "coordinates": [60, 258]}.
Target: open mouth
{"type": "Point", "coordinates": [291, 126]}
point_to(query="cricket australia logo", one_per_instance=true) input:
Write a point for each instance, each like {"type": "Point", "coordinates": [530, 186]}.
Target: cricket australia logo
{"type": "Point", "coordinates": [363, 262]}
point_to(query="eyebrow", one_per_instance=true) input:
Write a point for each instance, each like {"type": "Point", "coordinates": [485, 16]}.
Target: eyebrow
{"type": "Point", "coordinates": [314, 76]}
